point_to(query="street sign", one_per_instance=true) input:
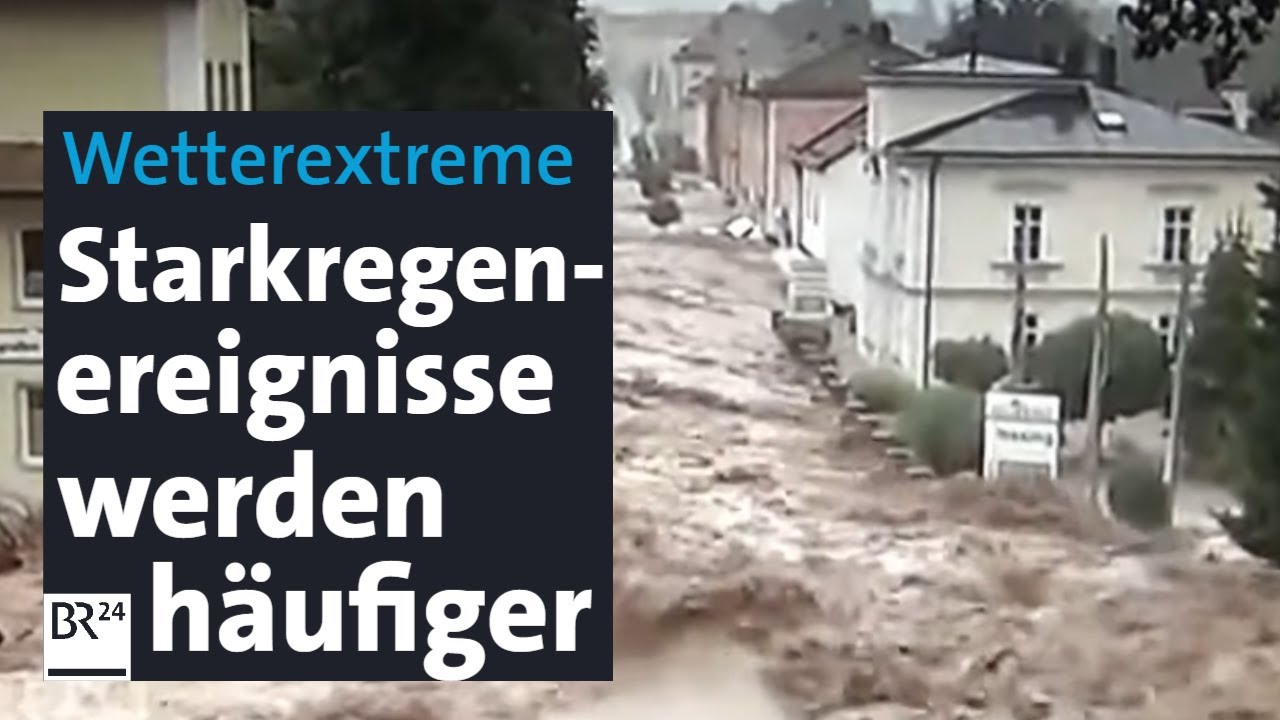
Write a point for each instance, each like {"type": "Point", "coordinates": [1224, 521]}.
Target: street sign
{"type": "Point", "coordinates": [25, 345]}
{"type": "Point", "coordinates": [1022, 434]}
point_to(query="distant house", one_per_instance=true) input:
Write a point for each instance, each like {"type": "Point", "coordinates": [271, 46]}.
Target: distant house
{"type": "Point", "coordinates": [735, 49]}
{"type": "Point", "coordinates": [85, 55]}
{"type": "Point", "coordinates": [805, 99]}
{"type": "Point", "coordinates": [918, 200]}
{"type": "Point", "coordinates": [695, 74]}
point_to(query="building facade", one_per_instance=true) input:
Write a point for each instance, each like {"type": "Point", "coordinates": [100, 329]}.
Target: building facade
{"type": "Point", "coordinates": [923, 197]}
{"type": "Point", "coordinates": [85, 55]}
{"type": "Point", "coordinates": [801, 102]}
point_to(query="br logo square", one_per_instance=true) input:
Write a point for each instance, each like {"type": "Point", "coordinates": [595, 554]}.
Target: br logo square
{"type": "Point", "coordinates": [86, 637]}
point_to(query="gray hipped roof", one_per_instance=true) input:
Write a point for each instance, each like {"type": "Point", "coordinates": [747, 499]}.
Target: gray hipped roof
{"type": "Point", "coordinates": [984, 65]}
{"type": "Point", "coordinates": [1066, 122]}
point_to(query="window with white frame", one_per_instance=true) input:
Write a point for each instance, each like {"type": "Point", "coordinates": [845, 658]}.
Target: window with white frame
{"type": "Point", "coordinates": [1176, 233]}
{"type": "Point", "coordinates": [1028, 232]}
{"type": "Point", "coordinates": [31, 424]}
{"type": "Point", "coordinates": [30, 267]}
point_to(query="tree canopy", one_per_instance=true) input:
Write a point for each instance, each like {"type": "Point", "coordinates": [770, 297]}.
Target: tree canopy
{"type": "Point", "coordinates": [1217, 376]}
{"type": "Point", "coordinates": [1137, 376]}
{"type": "Point", "coordinates": [1257, 529]}
{"type": "Point", "coordinates": [1028, 30]}
{"type": "Point", "coordinates": [1227, 28]}
{"type": "Point", "coordinates": [426, 55]}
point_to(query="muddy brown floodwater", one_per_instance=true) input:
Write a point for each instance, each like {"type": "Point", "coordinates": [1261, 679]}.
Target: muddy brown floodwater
{"type": "Point", "coordinates": [766, 571]}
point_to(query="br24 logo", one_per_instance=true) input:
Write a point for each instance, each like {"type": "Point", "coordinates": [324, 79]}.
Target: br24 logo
{"type": "Point", "coordinates": [69, 618]}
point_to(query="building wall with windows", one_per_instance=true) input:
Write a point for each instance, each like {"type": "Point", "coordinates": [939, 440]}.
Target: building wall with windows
{"type": "Point", "coordinates": [85, 55]}
{"type": "Point", "coordinates": [1056, 212]}
{"type": "Point", "coordinates": [1148, 211]}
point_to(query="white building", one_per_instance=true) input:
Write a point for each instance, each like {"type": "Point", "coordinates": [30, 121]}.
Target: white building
{"type": "Point", "coordinates": [917, 199]}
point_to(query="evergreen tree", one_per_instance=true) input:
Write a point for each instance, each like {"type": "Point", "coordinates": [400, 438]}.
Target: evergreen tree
{"type": "Point", "coordinates": [1257, 529]}
{"type": "Point", "coordinates": [1229, 29]}
{"type": "Point", "coordinates": [1217, 389]}
{"type": "Point", "coordinates": [427, 55]}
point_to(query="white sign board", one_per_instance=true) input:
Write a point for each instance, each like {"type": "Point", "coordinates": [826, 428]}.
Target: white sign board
{"type": "Point", "coordinates": [22, 345]}
{"type": "Point", "coordinates": [1022, 434]}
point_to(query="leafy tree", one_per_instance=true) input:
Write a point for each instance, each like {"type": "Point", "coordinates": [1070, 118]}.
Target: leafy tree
{"type": "Point", "coordinates": [1216, 384]}
{"type": "Point", "coordinates": [427, 55]}
{"type": "Point", "coordinates": [1137, 376]}
{"type": "Point", "coordinates": [1227, 28]}
{"type": "Point", "coordinates": [1029, 30]}
{"type": "Point", "coordinates": [974, 364]}
{"type": "Point", "coordinates": [1257, 529]}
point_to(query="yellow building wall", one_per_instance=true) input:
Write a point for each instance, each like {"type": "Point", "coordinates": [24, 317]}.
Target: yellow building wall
{"type": "Point", "coordinates": [78, 55]}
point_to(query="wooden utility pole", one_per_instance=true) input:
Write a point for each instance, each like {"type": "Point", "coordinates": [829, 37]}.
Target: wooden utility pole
{"type": "Point", "coordinates": [1019, 341]}
{"type": "Point", "coordinates": [1172, 470]}
{"type": "Point", "coordinates": [1098, 364]}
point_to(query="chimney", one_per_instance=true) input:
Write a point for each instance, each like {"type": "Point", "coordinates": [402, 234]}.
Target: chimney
{"type": "Point", "coordinates": [1073, 59]}
{"type": "Point", "coordinates": [1236, 96]}
{"type": "Point", "coordinates": [1108, 64]}
{"type": "Point", "coordinates": [1049, 55]}
{"type": "Point", "coordinates": [881, 33]}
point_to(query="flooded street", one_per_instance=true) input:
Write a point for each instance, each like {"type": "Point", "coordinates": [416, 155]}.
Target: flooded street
{"type": "Point", "coordinates": [765, 570]}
